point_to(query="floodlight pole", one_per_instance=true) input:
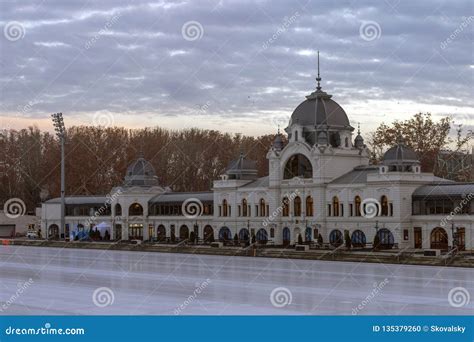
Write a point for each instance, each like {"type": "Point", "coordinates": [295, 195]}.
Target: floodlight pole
{"type": "Point", "coordinates": [60, 132]}
{"type": "Point", "coordinates": [63, 185]}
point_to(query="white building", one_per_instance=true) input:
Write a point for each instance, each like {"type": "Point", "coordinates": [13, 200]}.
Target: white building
{"type": "Point", "coordinates": [319, 185]}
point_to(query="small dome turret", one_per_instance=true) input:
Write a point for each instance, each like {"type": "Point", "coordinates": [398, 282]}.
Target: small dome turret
{"type": "Point", "coordinates": [400, 157]}
{"type": "Point", "coordinates": [278, 142]}
{"type": "Point", "coordinates": [359, 141]}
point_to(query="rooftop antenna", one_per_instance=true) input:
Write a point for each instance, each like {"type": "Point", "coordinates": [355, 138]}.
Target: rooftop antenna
{"type": "Point", "coordinates": [319, 77]}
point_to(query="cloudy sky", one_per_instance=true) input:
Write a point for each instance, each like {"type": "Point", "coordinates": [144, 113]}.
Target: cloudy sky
{"type": "Point", "coordinates": [237, 66]}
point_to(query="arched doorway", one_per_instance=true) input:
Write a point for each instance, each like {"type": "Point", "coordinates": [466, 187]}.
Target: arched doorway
{"type": "Point", "coordinates": [439, 239]}
{"type": "Point", "coordinates": [386, 240]}
{"type": "Point", "coordinates": [335, 238]}
{"type": "Point", "coordinates": [225, 234]}
{"type": "Point", "coordinates": [262, 236]}
{"type": "Point", "coordinates": [244, 235]}
{"type": "Point", "coordinates": [208, 234]}
{"type": "Point", "coordinates": [358, 238]}
{"type": "Point", "coordinates": [286, 236]}
{"type": "Point", "coordinates": [161, 233]}
{"type": "Point", "coordinates": [53, 232]}
{"type": "Point", "coordinates": [184, 232]}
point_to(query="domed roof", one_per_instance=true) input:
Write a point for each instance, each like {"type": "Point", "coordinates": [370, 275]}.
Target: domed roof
{"type": "Point", "coordinates": [319, 109]}
{"type": "Point", "coordinates": [400, 154]}
{"type": "Point", "coordinates": [141, 173]}
{"type": "Point", "coordinates": [242, 168]}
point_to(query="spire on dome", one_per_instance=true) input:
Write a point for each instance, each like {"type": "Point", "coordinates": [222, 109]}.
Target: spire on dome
{"type": "Point", "coordinates": [318, 93]}
{"type": "Point", "coordinates": [318, 79]}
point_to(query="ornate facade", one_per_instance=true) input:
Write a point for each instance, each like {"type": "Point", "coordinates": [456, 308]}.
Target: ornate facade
{"type": "Point", "coordinates": [320, 188]}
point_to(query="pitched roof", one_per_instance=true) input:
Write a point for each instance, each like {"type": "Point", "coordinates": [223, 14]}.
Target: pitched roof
{"type": "Point", "coordinates": [357, 176]}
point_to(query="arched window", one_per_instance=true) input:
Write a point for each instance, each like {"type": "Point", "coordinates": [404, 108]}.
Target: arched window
{"type": "Point", "coordinates": [347, 142]}
{"type": "Point", "coordinates": [309, 206]}
{"type": "Point", "coordinates": [244, 234]}
{"type": "Point", "coordinates": [386, 238]}
{"type": "Point", "coordinates": [335, 206]}
{"type": "Point", "coordinates": [358, 238]}
{"type": "Point", "coordinates": [297, 206]}
{"type": "Point", "coordinates": [384, 203]}
{"type": "Point", "coordinates": [335, 238]}
{"type": "Point", "coordinates": [262, 236]}
{"type": "Point", "coordinates": [224, 207]}
{"type": "Point", "coordinates": [263, 207]}
{"type": "Point", "coordinates": [298, 166]}
{"type": "Point", "coordinates": [357, 202]}
{"type": "Point", "coordinates": [286, 206]}
{"type": "Point", "coordinates": [118, 210]}
{"type": "Point", "coordinates": [225, 234]}
{"type": "Point", "coordinates": [135, 210]}
{"type": "Point", "coordinates": [244, 207]}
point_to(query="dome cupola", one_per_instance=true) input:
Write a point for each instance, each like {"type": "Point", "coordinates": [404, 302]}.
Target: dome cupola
{"type": "Point", "coordinates": [242, 168]}
{"type": "Point", "coordinates": [141, 173]}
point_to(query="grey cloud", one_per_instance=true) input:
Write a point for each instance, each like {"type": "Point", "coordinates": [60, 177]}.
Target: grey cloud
{"type": "Point", "coordinates": [63, 61]}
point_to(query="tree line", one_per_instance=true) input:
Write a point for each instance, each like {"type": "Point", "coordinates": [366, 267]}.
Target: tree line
{"type": "Point", "coordinates": [188, 159]}
{"type": "Point", "coordinates": [97, 159]}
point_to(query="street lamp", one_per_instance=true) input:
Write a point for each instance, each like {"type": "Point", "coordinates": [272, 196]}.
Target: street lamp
{"type": "Point", "coordinates": [58, 123]}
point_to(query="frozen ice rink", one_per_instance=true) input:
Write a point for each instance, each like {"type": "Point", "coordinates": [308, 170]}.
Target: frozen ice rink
{"type": "Point", "coordinates": [68, 281]}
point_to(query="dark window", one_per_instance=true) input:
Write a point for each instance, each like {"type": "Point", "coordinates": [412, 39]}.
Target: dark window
{"type": "Point", "coordinates": [335, 238]}
{"type": "Point", "coordinates": [297, 206]}
{"type": "Point", "coordinates": [135, 210]}
{"type": "Point", "coordinates": [298, 166]}
{"type": "Point", "coordinates": [358, 238]}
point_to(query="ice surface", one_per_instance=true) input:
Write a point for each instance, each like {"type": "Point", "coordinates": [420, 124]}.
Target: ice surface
{"type": "Point", "coordinates": [64, 281]}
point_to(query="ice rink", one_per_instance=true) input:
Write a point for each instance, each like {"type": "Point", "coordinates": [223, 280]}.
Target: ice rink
{"type": "Point", "coordinates": [82, 281]}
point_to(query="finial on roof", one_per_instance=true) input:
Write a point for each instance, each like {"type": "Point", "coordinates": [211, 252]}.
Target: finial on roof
{"type": "Point", "coordinates": [278, 128]}
{"type": "Point", "coordinates": [319, 76]}
{"type": "Point", "coordinates": [358, 128]}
